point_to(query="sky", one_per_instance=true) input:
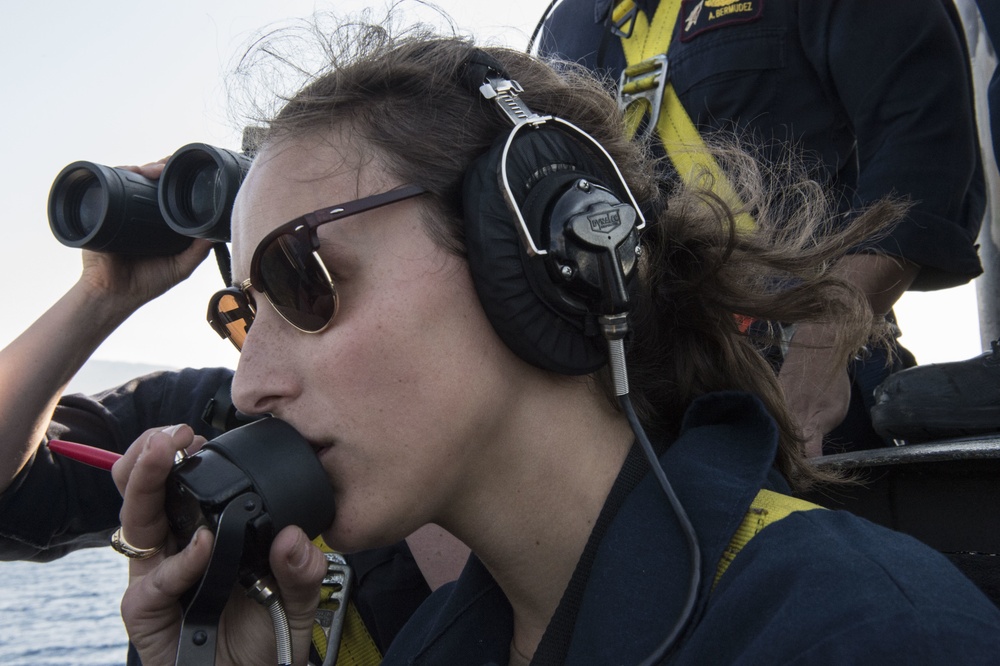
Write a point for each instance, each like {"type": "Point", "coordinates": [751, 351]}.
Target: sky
{"type": "Point", "coordinates": [128, 82]}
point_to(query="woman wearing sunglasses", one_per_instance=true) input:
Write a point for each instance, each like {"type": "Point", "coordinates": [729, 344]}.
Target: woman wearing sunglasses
{"type": "Point", "coordinates": [482, 320]}
{"type": "Point", "coordinates": [51, 505]}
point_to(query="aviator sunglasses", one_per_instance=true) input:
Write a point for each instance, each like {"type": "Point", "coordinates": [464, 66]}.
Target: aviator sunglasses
{"type": "Point", "coordinates": [287, 269]}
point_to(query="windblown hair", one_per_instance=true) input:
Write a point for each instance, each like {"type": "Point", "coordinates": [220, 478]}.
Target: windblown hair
{"type": "Point", "coordinates": [403, 97]}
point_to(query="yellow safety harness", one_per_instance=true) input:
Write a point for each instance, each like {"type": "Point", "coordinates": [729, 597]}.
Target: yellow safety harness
{"type": "Point", "coordinates": [339, 633]}
{"type": "Point", "coordinates": [357, 647]}
{"type": "Point", "coordinates": [645, 91]}
{"type": "Point", "coordinates": [767, 507]}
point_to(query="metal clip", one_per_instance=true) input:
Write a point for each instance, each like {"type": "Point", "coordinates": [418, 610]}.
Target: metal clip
{"type": "Point", "coordinates": [645, 80]}
{"type": "Point", "coordinates": [506, 92]}
{"type": "Point", "coordinates": [332, 612]}
{"type": "Point", "coordinates": [620, 16]}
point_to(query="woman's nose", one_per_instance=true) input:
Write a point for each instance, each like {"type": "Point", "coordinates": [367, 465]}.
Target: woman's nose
{"type": "Point", "coordinates": [265, 375]}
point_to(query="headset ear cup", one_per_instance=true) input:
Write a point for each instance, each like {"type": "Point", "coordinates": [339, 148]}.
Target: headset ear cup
{"type": "Point", "coordinates": [516, 290]}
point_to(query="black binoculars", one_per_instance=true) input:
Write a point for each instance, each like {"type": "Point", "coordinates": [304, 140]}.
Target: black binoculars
{"type": "Point", "coordinates": [106, 209]}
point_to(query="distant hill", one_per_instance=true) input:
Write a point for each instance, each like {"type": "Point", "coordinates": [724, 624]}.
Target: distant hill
{"type": "Point", "coordinates": [95, 376]}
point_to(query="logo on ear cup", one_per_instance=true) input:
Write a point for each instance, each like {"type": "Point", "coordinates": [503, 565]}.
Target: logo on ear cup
{"type": "Point", "coordinates": [605, 222]}
{"type": "Point", "coordinates": [598, 235]}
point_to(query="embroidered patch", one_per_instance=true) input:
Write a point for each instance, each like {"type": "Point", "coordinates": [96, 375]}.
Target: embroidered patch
{"type": "Point", "coordinates": [698, 16]}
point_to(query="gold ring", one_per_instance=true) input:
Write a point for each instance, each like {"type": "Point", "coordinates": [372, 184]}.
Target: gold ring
{"type": "Point", "coordinates": [122, 546]}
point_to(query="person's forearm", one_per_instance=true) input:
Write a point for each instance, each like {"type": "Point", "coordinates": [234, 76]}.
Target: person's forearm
{"type": "Point", "coordinates": [882, 278]}
{"type": "Point", "coordinates": [813, 373]}
{"type": "Point", "coordinates": [35, 368]}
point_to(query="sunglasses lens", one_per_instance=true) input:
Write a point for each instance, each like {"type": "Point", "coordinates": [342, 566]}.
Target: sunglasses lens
{"type": "Point", "coordinates": [230, 315]}
{"type": "Point", "coordinates": [296, 283]}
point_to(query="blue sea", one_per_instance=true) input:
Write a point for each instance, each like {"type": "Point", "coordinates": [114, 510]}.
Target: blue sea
{"type": "Point", "coordinates": [64, 613]}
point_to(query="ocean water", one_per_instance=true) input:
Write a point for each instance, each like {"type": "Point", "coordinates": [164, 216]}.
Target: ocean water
{"type": "Point", "coordinates": [64, 613]}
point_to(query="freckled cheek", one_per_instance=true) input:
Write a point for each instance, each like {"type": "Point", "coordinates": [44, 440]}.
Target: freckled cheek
{"type": "Point", "coordinates": [377, 361]}
{"type": "Point", "coordinates": [401, 338]}
{"type": "Point", "coordinates": [391, 355]}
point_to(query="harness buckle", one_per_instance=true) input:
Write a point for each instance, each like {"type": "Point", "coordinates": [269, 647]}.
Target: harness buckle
{"type": "Point", "coordinates": [332, 612]}
{"type": "Point", "coordinates": [644, 80]}
{"type": "Point", "coordinates": [621, 20]}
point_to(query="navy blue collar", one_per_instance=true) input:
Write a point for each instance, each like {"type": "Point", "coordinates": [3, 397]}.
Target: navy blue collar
{"type": "Point", "coordinates": [637, 585]}
{"type": "Point", "coordinates": [722, 458]}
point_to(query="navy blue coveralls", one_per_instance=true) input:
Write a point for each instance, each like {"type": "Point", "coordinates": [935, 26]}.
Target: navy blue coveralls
{"type": "Point", "coordinates": [817, 587]}
{"type": "Point", "coordinates": [878, 94]}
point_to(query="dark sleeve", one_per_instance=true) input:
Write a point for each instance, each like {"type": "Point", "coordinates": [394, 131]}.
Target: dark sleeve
{"type": "Point", "coordinates": [56, 505]}
{"type": "Point", "coordinates": [389, 588]}
{"type": "Point", "coordinates": [990, 12]}
{"type": "Point", "coordinates": [574, 32]}
{"type": "Point", "coordinates": [902, 75]}
{"type": "Point", "coordinates": [826, 587]}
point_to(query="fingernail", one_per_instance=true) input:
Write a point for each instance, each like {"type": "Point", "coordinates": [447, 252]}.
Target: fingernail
{"type": "Point", "coordinates": [299, 555]}
{"type": "Point", "coordinates": [172, 430]}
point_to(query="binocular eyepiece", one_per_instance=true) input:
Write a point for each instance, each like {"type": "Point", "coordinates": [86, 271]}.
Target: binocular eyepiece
{"type": "Point", "coordinates": [106, 209]}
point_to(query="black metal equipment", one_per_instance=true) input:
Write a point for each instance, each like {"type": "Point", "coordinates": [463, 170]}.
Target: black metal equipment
{"type": "Point", "coordinates": [99, 208]}
{"type": "Point", "coordinates": [107, 209]}
{"type": "Point", "coordinates": [197, 190]}
{"type": "Point", "coordinates": [246, 486]}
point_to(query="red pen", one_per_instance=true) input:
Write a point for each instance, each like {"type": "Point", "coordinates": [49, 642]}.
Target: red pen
{"type": "Point", "coordinates": [90, 455]}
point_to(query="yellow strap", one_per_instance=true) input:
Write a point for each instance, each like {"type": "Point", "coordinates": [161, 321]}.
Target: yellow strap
{"type": "Point", "coordinates": [357, 647]}
{"type": "Point", "coordinates": [678, 134]}
{"type": "Point", "coordinates": [768, 507]}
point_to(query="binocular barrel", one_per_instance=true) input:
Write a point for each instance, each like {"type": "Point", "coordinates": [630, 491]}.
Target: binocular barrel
{"type": "Point", "coordinates": [109, 210]}
{"type": "Point", "coordinates": [106, 209]}
{"type": "Point", "coordinates": [197, 190]}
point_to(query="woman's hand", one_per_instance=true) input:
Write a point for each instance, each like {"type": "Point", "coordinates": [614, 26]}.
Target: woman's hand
{"type": "Point", "coordinates": [35, 368]}
{"type": "Point", "coordinates": [151, 606]}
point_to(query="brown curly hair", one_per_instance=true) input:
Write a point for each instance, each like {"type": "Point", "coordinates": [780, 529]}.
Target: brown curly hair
{"type": "Point", "coordinates": [402, 96]}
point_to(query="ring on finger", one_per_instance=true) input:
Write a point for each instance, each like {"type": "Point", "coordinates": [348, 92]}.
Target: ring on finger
{"type": "Point", "coordinates": [122, 546]}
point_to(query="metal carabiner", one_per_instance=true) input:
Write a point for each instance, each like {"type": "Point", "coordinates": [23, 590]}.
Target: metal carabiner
{"type": "Point", "coordinates": [645, 80]}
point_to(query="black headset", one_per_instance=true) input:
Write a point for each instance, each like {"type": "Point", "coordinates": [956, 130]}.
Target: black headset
{"type": "Point", "coordinates": [551, 231]}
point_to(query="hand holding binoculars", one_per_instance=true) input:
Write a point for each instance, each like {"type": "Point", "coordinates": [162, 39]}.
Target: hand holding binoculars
{"type": "Point", "coordinates": [107, 209]}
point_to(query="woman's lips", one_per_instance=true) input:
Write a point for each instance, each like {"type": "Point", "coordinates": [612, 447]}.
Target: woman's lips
{"type": "Point", "coordinates": [319, 448]}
